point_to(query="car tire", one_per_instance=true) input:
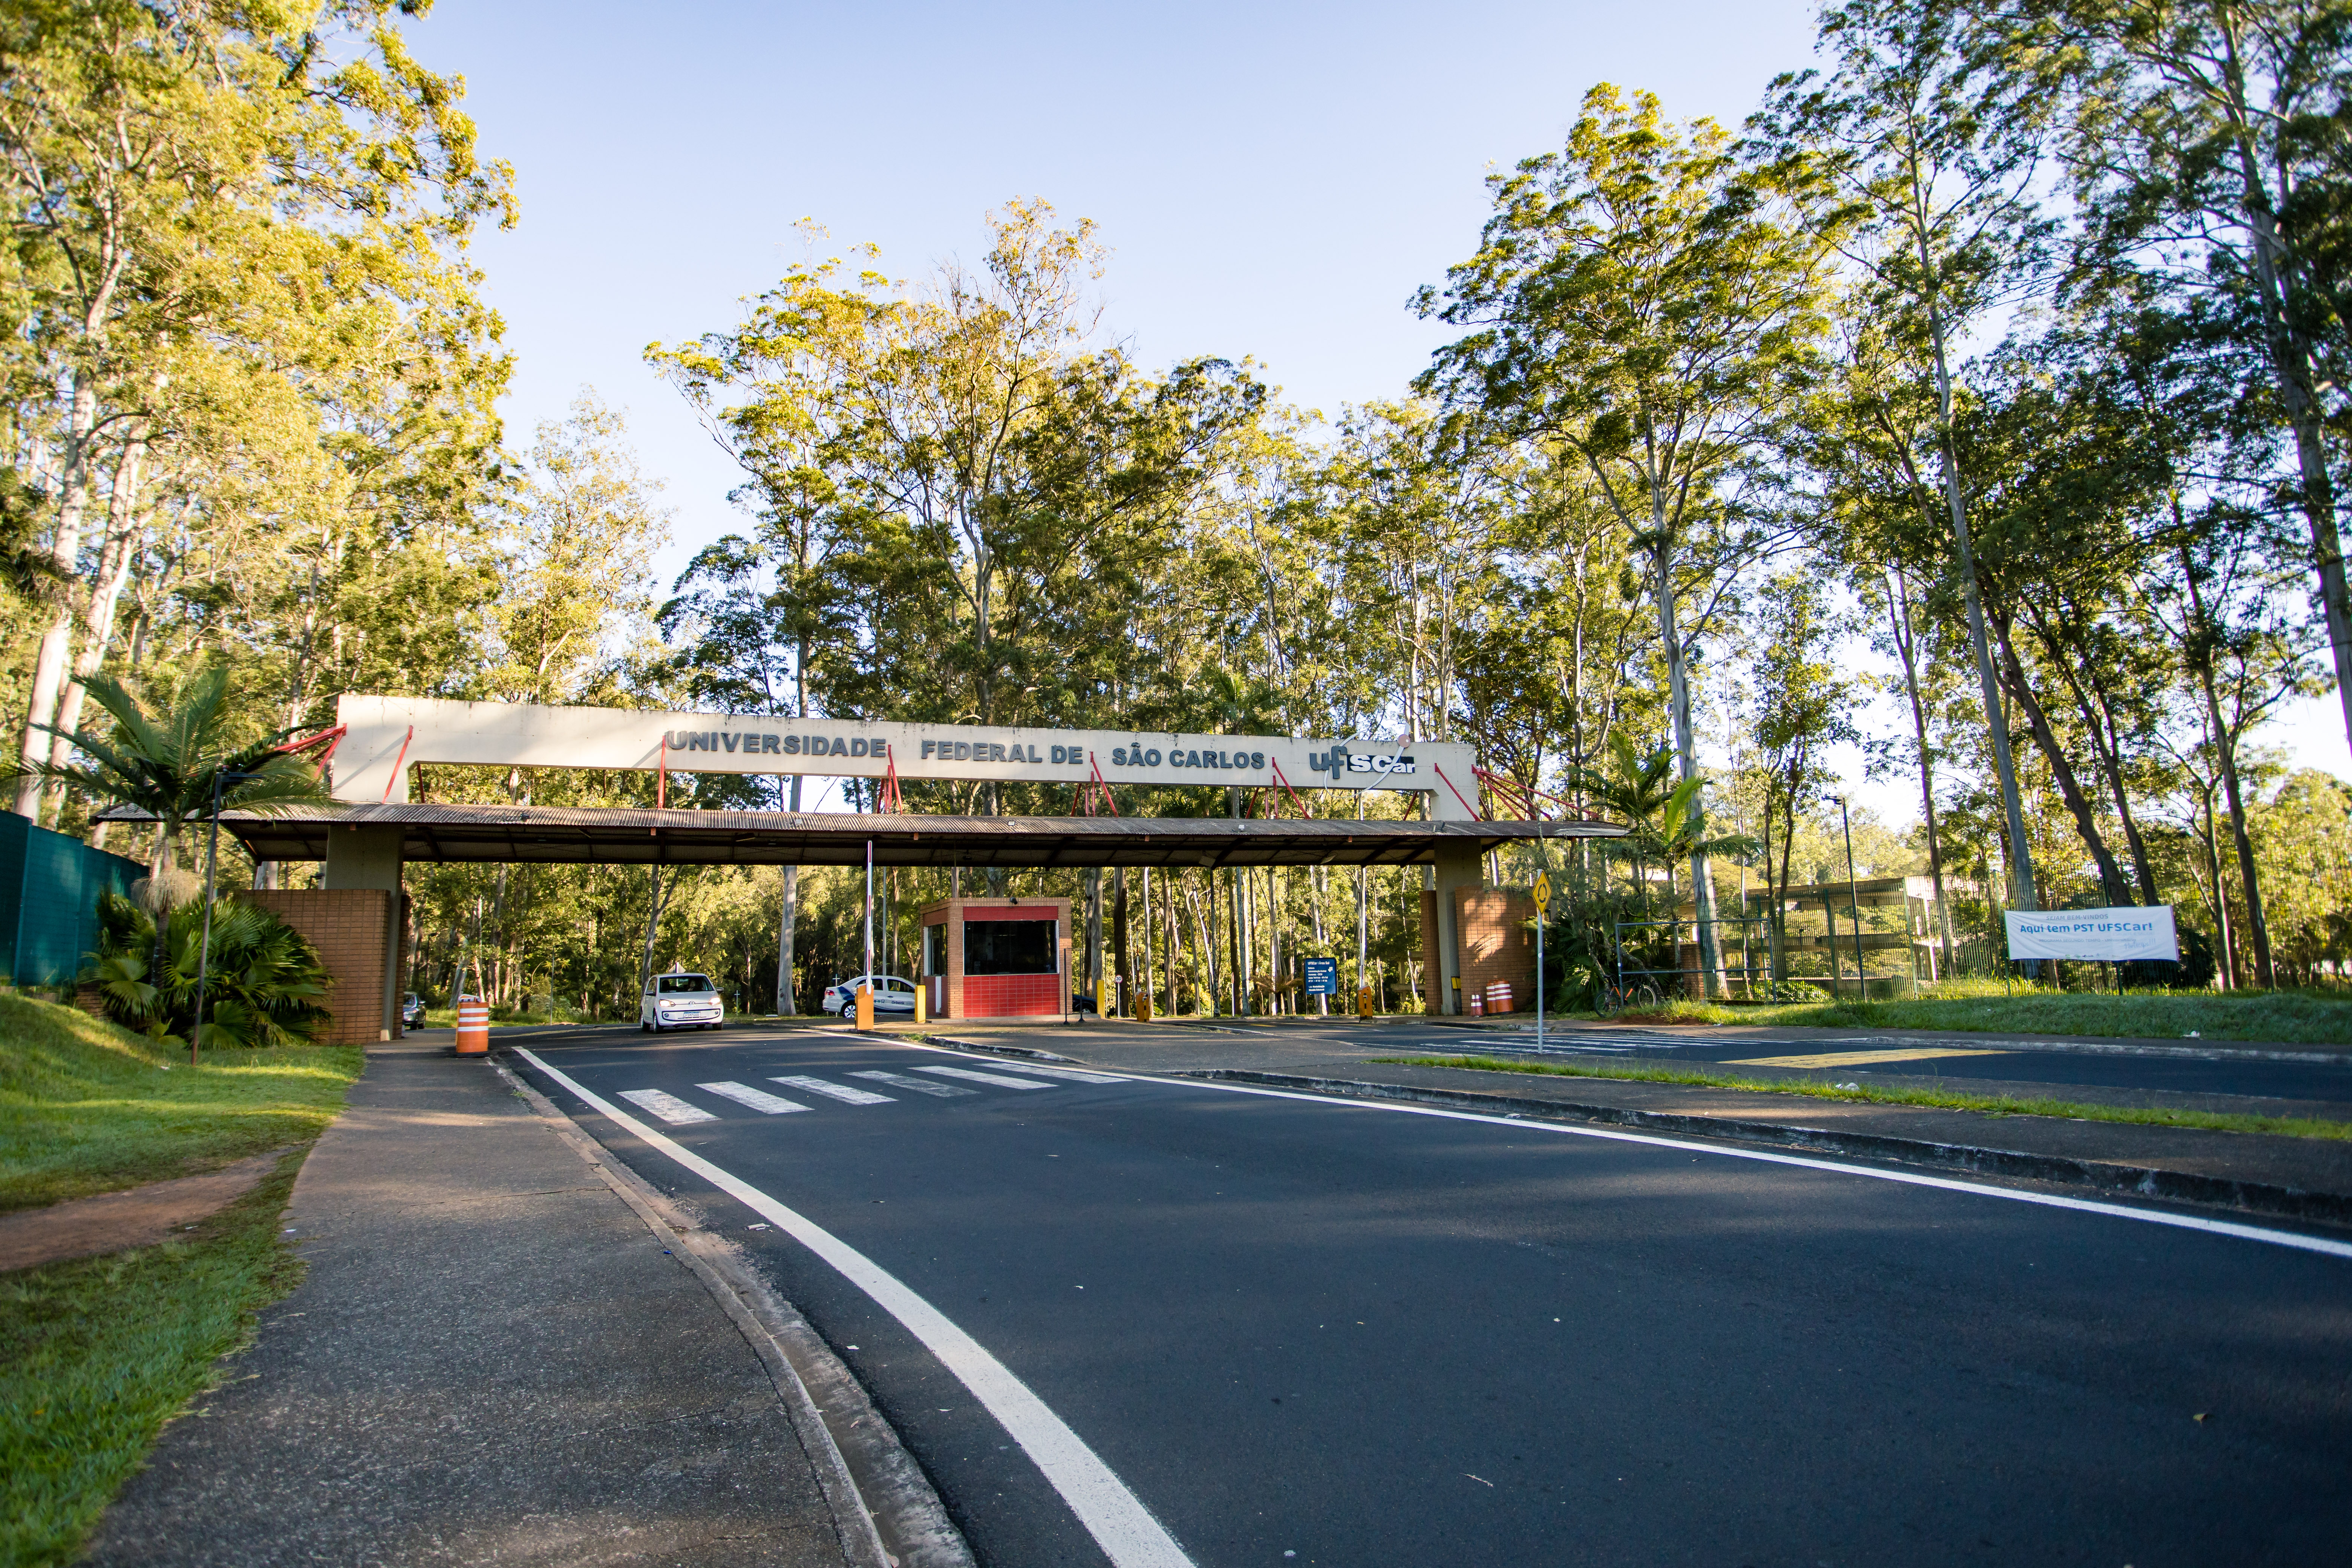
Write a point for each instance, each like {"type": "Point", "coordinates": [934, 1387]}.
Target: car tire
{"type": "Point", "coordinates": [645, 1026]}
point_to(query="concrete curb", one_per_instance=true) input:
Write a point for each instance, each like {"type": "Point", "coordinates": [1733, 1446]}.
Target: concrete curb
{"type": "Point", "coordinates": [884, 1507]}
{"type": "Point", "coordinates": [2104, 1176]}
{"type": "Point", "coordinates": [1021, 1051]}
{"type": "Point", "coordinates": [2059, 1045]}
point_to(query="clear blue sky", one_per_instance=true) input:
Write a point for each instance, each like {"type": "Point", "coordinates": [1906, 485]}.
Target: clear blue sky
{"type": "Point", "coordinates": [1274, 179]}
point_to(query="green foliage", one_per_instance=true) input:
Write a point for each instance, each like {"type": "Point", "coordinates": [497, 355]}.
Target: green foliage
{"type": "Point", "coordinates": [86, 1106]}
{"type": "Point", "coordinates": [263, 983]}
{"type": "Point", "coordinates": [165, 758]}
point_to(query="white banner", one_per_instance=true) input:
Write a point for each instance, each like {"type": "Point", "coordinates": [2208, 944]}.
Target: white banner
{"type": "Point", "coordinates": [383, 737]}
{"type": "Point", "coordinates": [2144, 932]}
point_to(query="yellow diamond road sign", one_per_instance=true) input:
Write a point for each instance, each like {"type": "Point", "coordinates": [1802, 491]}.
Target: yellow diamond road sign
{"type": "Point", "coordinates": [1543, 890]}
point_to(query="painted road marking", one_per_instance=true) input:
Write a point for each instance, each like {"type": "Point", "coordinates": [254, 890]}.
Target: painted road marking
{"type": "Point", "coordinates": [1858, 1058]}
{"type": "Point", "coordinates": [1905, 1178]}
{"type": "Point", "coordinates": [1112, 1514]}
{"type": "Point", "coordinates": [900, 1080]}
{"type": "Point", "coordinates": [840, 1091]}
{"type": "Point", "coordinates": [668, 1107]}
{"type": "Point", "coordinates": [994, 1078]}
{"type": "Point", "coordinates": [1073, 1074]}
{"type": "Point", "coordinates": [757, 1099]}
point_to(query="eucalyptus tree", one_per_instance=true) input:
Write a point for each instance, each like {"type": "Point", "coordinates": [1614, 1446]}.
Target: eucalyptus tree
{"type": "Point", "coordinates": [992, 486]}
{"type": "Point", "coordinates": [1649, 302]}
{"type": "Point", "coordinates": [2049, 471]}
{"type": "Point", "coordinates": [1803, 707]}
{"type": "Point", "coordinates": [2244, 655]}
{"type": "Point", "coordinates": [211, 216]}
{"type": "Point", "coordinates": [1868, 437]}
{"type": "Point", "coordinates": [2207, 146]}
{"type": "Point", "coordinates": [1933, 151]}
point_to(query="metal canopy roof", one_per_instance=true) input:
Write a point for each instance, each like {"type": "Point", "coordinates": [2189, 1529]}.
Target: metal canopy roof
{"type": "Point", "coordinates": [551, 836]}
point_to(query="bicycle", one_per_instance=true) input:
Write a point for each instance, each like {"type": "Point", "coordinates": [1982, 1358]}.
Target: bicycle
{"type": "Point", "coordinates": [1640, 996]}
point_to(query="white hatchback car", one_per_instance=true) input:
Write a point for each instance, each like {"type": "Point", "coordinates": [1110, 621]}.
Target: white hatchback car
{"type": "Point", "coordinates": [891, 994]}
{"type": "Point", "coordinates": [680, 1001]}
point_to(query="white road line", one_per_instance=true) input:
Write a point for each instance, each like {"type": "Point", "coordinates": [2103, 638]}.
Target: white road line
{"type": "Point", "coordinates": [900, 1080]}
{"type": "Point", "coordinates": [1073, 1074]}
{"type": "Point", "coordinates": [995, 1078]}
{"type": "Point", "coordinates": [2048, 1200]}
{"type": "Point", "coordinates": [1115, 1518]}
{"type": "Point", "coordinates": [668, 1107]}
{"type": "Point", "coordinates": [757, 1099]}
{"type": "Point", "coordinates": [840, 1091]}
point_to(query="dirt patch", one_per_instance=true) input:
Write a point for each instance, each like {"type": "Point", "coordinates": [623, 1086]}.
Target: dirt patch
{"type": "Point", "coordinates": [138, 1216]}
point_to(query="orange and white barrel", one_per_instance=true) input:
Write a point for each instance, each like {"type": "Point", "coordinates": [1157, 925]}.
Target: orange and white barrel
{"type": "Point", "coordinates": [1498, 997]}
{"type": "Point", "coordinates": [473, 1026]}
{"type": "Point", "coordinates": [1477, 1005]}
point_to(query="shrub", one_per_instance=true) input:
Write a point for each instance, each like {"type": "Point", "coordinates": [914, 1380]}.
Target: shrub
{"type": "Point", "coordinates": [263, 983]}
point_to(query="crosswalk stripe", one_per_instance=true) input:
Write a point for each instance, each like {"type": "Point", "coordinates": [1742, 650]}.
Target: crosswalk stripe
{"type": "Point", "coordinates": [1073, 1074]}
{"type": "Point", "coordinates": [757, 1099]}
{"type": "Point", "coordinates": [899, 1080]}
{"type": "Point", "coordinates": [840, 1091]}
{"type": "Point", "coordinates": [668, 1107]}
{"type": "Point", "coordinates": [988, 1077]}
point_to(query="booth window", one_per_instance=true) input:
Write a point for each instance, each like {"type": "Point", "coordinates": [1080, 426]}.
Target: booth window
{"type": "Point", "coordinates": [1009, 947]}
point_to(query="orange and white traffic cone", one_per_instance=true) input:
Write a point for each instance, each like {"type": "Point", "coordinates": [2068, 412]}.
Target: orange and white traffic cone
{"type": "Point", "coordinates": [473, 1026]}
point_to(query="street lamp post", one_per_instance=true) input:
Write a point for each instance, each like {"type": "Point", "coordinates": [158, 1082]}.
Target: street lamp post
{"type": "Point", "coordinates": [1854, 903]}
{"type": "Point", "coordinates": [205, 947]}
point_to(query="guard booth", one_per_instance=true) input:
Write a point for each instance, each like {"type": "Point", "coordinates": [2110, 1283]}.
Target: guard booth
{"type": "Point", "coordinates": [997, 958]}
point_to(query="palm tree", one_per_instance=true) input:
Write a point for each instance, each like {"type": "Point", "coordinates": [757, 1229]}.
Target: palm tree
{"type": "Point", "coordinates": [166, 761]}
{"type": "Point", "coordinates": [1663, 818]}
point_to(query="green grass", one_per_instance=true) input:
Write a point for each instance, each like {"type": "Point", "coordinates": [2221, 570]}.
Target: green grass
{"type": "Point", "coordinates": [2284, 1017]}
{"type": "Point", "coordinates": [97, 1352]}
{"type": "Point", "coordinates": [1941, 1098]}
{"type": "Point", "coordinates": [88, 1108]}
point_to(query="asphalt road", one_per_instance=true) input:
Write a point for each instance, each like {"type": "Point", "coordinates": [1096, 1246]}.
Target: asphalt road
{"type": "Point", "coordinates": [1307, 1332]}
{"type": "Point", "coordinates": [2320, 1076]}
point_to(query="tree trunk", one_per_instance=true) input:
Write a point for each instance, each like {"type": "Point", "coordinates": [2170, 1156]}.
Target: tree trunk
{"type": "Point", "coordinates": [2289, 350]}
{"type": "Point", "coordinates": [2225, 755]}
{"type": "Point", "coordinates": [2021, 866]}
{"type": "Point", "coordinates": [2086, 823]}
{"type": "Point", "coordinates": [65, 553]}
{"type": "Point", "coordinates": [1710, 959]}
{"type": "Point", "coordinates": [1898, 606]}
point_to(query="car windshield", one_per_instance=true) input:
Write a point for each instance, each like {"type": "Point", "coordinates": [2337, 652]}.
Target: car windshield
{"type": "Point", "coordinates": [676, 985]}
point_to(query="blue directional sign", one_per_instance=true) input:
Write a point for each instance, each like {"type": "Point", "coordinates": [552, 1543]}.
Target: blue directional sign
{"type": "Point", "coordinates": [1322, 976]}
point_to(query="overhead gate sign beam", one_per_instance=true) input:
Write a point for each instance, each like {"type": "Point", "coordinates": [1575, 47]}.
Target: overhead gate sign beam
{"type": "Point", "coordinates": [386, 736]}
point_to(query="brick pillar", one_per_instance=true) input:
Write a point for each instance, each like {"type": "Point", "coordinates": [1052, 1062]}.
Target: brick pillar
{"type": "Point", "coordinates": [354, 929]}
{"type": "Point", "coordinates": [1496, 943]}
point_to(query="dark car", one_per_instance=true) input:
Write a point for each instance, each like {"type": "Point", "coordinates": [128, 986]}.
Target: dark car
{"type": "Point", "coordinates": [412, 1011]}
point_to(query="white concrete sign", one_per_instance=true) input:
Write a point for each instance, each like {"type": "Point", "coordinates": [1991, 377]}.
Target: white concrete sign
{"type": "Point", "coordinates": [2113, 935]}
{"type": "Point", "coordinates": [383, 737]}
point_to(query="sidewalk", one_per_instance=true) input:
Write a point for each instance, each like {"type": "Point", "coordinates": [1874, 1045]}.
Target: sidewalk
{"type": "Point", "coordinates": [2303, 1178]}
{"type": "Point", "coordinates": [491, 1359]}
